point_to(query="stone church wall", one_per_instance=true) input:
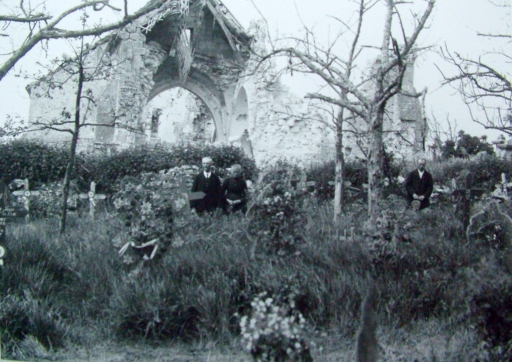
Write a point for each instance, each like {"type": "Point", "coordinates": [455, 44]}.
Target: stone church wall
{"type": "Point", "coordinates": [278, 123]}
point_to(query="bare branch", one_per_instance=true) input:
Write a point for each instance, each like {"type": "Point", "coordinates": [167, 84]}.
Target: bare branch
{"type": "Point", "coordinates": [28, 19]}
{"type": "Point", "coordinates": [51, 32]}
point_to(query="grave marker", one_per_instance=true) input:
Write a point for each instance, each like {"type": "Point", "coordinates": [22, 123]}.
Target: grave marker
{"type": "Point", "coordinates": [192, 196]}
{"type": "Point", "coordinates": [92, 196]}
{"type": "Point", "coordinates": [6, 213]}
{"type": "Point", "coordinates": [183, 189]}
{"type": "Point", "coordinates": [466, 194]}
{"type": "Point", "coordinates": [26, 194]}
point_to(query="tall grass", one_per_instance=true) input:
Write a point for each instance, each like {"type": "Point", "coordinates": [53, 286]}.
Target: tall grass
{"type": "Point", "coordinates": [75, 289]}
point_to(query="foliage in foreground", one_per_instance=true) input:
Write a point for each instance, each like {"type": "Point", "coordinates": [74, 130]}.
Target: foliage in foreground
{"type": "Point", "coordinates": [201, 289]}
{"type": "Point", "coordinates": [213, 272]}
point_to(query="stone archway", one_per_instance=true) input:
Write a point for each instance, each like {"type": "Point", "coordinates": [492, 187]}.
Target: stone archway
{"type": "Point", "coordinates": [201, 86]}
{"type": "Point", "coordinates": [150, 56]}
{"type": "Point", "coordinates": [179, 116]}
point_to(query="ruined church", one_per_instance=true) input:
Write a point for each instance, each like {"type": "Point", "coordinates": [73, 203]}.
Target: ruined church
{"type": "Point", "coordinates": [184, 73]}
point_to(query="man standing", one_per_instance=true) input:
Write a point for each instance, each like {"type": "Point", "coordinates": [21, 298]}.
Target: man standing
{"type": "Point", "coordinates": [419, 185]}
{"type": "Point", "coordinates": [209, 183]}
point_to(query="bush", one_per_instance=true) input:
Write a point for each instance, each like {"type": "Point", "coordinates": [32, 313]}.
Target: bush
{"type": "Point", "coordinates": [323, 175]}
{"type": "Point", "coordinates": [274, 212]}
{"type": "Point", "coordinates": [38, 162]}
{"type": "Point", "coordinates": [486, 172]}
{"type": "Point", "coordinates": [107, 170]}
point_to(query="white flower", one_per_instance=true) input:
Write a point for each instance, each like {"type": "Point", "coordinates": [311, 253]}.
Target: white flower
{"type": "Point", "coordinates": [145, 208]}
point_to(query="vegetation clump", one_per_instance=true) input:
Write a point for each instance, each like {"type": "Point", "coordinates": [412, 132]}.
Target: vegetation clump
{"type": "Point", "coordinates": [211, 273]}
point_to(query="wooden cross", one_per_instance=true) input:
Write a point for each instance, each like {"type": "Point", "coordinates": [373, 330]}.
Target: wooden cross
{"type": "Point", "coordinates": [467, 194]}
{"type": "Point", "coordinates": [92, 196]}
{"type": "Point", "coordinates": [6, 214]}
{"type": "Point", "coordinates": [26, 194]}
{"type": "Point", "coordinates": [504, 185]}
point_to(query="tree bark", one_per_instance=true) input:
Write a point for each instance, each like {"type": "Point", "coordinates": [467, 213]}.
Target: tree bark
{"type": "Point", "coordinates": [72, 148]}
{"type": "Point", "coordinates": [339, 169]}
{"type": "Point", "coordinates": [375, 163]}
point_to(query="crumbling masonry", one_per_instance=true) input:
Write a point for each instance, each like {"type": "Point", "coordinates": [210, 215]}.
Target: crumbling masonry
{"type": "Point", "coordinates": [199, 46]}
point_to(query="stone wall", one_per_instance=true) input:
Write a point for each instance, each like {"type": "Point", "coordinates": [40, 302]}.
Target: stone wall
{"type": "Point", "coordinates": [279, 124]}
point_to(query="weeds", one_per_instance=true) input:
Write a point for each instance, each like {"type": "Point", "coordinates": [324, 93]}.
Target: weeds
{"type": "Point", "coordinates": [201, 286]}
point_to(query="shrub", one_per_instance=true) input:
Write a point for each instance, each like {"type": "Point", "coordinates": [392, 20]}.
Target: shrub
{"type": "Point", "coordinates": [38, 162]}
{"type": "Point", "coordinates": [486, 172]}
{"type": "Point", "coordinates": [275, 330]}
{"type": "Point", "coordinates": [355, 175]}
{"type": "Point", "coordinates": [106, 171]}
{"type": "Point", "coordinates": [323, 174]}
{"type": "Point", "coordinates": [145, 207]}
{"type": "Point", "coordinates": [274, 211]}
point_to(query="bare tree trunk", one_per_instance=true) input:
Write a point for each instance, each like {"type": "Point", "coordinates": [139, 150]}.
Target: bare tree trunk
{"type": "Point", "coordinates": [72, 149]}
{"type": "Point", "coordinates": [376, 124]}
{"type": "Point", "coordinates": [339, 169]}
{"type": "Point", "coordinates": [375, 164]}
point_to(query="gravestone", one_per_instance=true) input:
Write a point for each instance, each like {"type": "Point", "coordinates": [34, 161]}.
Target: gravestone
{"type": "Point", "coordinates": [467, 194]}
{"type": "Point", "coordinates": [192, 196]}
{"type": "Point", "coordinates": [92, 196]}
{"type": "Point", "coordinates": [183, 189]}
{"type": "Point", "coordinates": [26, 195]}
{"type": "Point", "coordinates": [6, 214]}
{"type": "Point", "coordinates": [501, 191]}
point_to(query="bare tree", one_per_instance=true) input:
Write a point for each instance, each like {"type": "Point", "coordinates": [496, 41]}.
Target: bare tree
{"type": "Point", "coordinates": [363, 99]}
{"type": "Point", "coordinates": [88, 64]}
{"type": "Point", "coordinates": [42, 25]}
{"type": "Point", "coordinates": [486, 90]}
{"type": "Point", "coordinates": [439, 134]}
{"type": "Point", "coordinates": [485, 83]}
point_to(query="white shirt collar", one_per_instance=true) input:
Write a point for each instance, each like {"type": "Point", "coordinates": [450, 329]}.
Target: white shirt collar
{"type": "Point", "coordinates": [421, 173]}
{"type": "Point", "coordinates": [207, 174]}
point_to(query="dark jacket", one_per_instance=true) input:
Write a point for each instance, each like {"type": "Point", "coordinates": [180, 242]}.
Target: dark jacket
{"type": "Point", "coordinates": [419, 186]}
{"type": "Point", "coordinates": [234, 188]}
{"type": "Point", "coordinates": [211, 187]}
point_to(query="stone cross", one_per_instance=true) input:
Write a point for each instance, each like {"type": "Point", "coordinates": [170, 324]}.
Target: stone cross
{"type": "Point", "coordinates": [467, 194]}
{"type": "Point", "coordinates": [92, 196]}
{"type": "Point", "coordinates": [26, 195]}
{"type": "Point", "coordinates": [6, 214]}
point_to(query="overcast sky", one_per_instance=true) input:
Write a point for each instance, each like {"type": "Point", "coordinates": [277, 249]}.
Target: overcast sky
{"type": "Point", "coordinates": [454, 23]}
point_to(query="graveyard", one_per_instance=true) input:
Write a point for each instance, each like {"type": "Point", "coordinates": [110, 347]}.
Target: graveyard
{"type": "Point", "coordinates": [343, 250]}
{"type": "Point", "coordinates": [136, 275]}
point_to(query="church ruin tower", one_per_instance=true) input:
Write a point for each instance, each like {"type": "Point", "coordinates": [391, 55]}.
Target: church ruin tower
{"type": "Point", "coordinates": [194, 44]}
{"type": "Point", "coordinates": [405, 123]}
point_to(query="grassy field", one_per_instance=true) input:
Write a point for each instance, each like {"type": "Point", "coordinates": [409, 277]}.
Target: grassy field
{"type": "Point", "coordinates": [439, 298]}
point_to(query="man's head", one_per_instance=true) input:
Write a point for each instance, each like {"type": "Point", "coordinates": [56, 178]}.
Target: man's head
{"type": "Point", "coordinates": [207, 164]}
{"type": "Point", "coordinates": [421, 164]}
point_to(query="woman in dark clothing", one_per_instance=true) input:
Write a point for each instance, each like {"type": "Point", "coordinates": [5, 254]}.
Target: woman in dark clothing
{"type": "Point", "coordinates": [234, 191]}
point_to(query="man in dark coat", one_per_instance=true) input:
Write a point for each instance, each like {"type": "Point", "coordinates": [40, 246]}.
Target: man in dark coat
{"type": "Point", "coordinates": [209, 183]}
{"type": "Point", "coordinates": [419, 185]}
